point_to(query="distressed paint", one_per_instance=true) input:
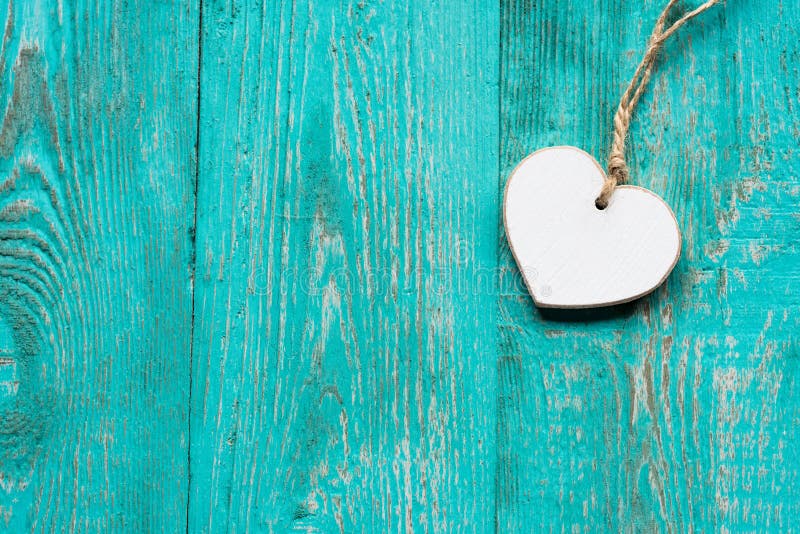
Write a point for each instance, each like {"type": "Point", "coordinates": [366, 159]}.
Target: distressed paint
{"type": "Point", "coordinates": [679, 412]}
{"type": "Point", "coordinates": [361, 148]}
{"type": "Point", "coordinates": [343, 350]}
{"type": "Point", "coordinates": [96, 201]}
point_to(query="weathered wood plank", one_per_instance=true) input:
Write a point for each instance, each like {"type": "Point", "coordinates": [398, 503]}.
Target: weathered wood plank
{"type": "Point", "coordinates": [679, 412]}
{"type": "Point", "coordinates": [344, 377]}
{"type": "Point", "coordinates": [96, 209]}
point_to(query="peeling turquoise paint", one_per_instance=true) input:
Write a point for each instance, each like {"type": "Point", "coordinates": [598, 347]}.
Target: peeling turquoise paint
{"type": "Point", "coordinates": [253, 277]}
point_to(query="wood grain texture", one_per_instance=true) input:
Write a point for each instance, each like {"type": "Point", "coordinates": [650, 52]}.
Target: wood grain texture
{"type": "Point", "coordinates": [96, 206]}
{"type": "Point", "coordinates": [347, 213]}
{"type": "Point", "coordinates": [364, 355]}
{"type": "Point", "coordinates": [679, 412]}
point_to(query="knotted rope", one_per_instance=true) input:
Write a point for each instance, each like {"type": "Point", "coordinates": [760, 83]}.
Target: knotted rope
{"type": "Point", "coordinates": [617, 167]}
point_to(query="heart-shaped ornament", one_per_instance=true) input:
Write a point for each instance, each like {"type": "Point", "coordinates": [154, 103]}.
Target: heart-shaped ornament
{"type": "Point", "coordinates": [574, 255]}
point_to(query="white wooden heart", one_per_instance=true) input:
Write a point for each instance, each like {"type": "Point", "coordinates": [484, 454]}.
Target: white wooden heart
{"type": "Point", "coordinates": [574, 255]}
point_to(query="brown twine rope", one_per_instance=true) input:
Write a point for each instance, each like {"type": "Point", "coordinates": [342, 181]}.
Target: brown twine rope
{"type": "Point", "coordinates": [617, 167]}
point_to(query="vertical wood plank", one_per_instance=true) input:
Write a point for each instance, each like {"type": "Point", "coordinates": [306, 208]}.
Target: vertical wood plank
{"type": "Point", "coordinates": [344, 374]}
{"type": "Point", "coordinates": [96, 209]}
{"type": "Point", "coordinates": [678, 412]}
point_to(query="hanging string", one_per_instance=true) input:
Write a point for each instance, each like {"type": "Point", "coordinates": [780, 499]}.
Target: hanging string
{"type": "Point", "coordinates": [617, 167]}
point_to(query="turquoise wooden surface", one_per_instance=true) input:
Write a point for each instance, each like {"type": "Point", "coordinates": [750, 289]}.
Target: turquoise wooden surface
{"type": "Point", "coordinates": [96, 203]}
{"type": "Point", "coordinates": [679, 412]}
{"type": "Point", "coordinates": [348, 163]}
{"type": "Point", "coordinates": [253, 278]}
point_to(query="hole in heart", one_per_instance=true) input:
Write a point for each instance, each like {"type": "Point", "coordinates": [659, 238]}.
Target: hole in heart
{"type": "Point", "coordinates": [600, 204]}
